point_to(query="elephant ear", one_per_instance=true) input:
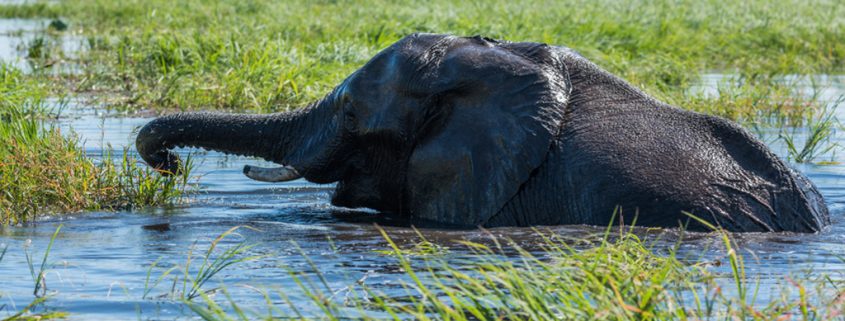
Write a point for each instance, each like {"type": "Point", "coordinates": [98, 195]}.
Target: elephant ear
{"type": "Point", "coordinates": [499, 107]}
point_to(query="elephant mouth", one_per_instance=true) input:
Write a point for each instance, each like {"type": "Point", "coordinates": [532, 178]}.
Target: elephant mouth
{"type": "Point", "coordinates": [272, 175]}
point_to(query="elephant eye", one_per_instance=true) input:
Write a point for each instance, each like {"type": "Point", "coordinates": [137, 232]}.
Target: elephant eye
{"type": "Point", "coordinates": [348, 111]}
{"type": "Point", "coordinates": [349, 117]}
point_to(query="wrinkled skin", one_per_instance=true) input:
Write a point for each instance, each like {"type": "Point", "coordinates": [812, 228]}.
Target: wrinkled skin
{"type": "Point", "coordinates": [475, 132]}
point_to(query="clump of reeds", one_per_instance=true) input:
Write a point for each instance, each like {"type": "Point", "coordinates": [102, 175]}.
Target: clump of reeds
{"type": "Point", "coordinates": [43, 171]}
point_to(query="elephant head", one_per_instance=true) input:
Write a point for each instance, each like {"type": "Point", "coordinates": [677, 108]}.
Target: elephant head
{"type": "Point", "coordinates": [434, 127]}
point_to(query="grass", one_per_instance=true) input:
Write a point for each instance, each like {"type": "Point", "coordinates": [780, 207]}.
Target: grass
{"type": "Point", "coordinates": [818, 132]}
{"type": "Point", "coordinates": [43, 171]}
{"type": "Point", "coordinates": [775, 101]}
{"type": "Point", "coordinates": [616, 277]}
{"type": "Point", "coordinates": [212, 264]}
{"type": "Point", "coordinates": [40, 288]}
{"type": "Point", "coordinates": [194, 278]}
{"type": "Point", "coordinates": [266, 56]}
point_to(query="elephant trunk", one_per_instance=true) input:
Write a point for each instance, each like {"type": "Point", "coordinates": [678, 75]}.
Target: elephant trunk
{"type": "Point", "coordinates": [274, 137]}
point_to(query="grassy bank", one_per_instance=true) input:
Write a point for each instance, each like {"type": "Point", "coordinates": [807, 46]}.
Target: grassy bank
{"type": "Point", "coordinates": [276, 55]}
{"type": "Point", "coordinates": [43, 171]}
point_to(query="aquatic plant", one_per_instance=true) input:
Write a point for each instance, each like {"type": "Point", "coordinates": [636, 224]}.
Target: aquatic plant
{"type": "Point", "coordinates": [818, 129]}
{"type": "Point", "coordinates": [211, 265]}
{"type": "Point", "coordinates": [618, 276]}
{"type": "Point", "coordinates": [40, 288]}
{"type": "Point", "coordinates": [57, 25]}
{"type": "Point", "coordinates": [43, 171]}
{"type": "Point", "coordinates": [211, 262]}
{"type": "Point", "coordinates": [38, 276]}
{"type": "Point", "coordinates": [775, 101]}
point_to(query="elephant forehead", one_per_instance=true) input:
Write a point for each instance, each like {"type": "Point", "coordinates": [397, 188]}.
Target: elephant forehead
{"type": "Point", "coordinates": [418, 45]}
{"type": "Point", "coordinates": [388, 72]}
{"type": "Point", "coordinates": [386, 66]}
{"type": "Point", "coordinates": [473, 55]}
{"type": "Point", "coordinates": [425, 53]}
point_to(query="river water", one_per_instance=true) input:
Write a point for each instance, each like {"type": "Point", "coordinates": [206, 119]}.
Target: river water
{"type": "Point", "coordinates": [100, 260]}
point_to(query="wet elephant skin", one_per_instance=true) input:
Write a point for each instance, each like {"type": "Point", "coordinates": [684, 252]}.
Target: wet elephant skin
{"type": "Point", "coordinates": [470, 131]}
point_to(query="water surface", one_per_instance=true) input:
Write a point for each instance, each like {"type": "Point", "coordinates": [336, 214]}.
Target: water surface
{"type": "Point", "coordinates": [17, 35]}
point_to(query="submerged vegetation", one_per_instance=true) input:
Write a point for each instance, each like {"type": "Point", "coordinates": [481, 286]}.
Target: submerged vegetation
{"type": "Point", "coordinates": [43, 171]}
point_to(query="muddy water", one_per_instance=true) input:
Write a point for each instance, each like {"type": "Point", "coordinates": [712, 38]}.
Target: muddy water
{"type": "Point", "coordinates": [100, 260]}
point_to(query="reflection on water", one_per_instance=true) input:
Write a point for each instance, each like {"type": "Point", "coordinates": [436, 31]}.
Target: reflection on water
{"type": "Point", "coordinates": [102, 258]}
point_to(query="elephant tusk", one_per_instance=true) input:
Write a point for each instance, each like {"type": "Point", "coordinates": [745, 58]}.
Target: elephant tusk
{"type": "Point", "coordinates": [279, 174]}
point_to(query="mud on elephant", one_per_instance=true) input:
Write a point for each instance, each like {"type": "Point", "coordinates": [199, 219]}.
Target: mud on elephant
{"type": "Point", "coordinates": [478, 132]}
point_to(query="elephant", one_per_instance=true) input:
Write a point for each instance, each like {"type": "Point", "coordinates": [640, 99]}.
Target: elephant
{"type": "Point", "coordinates": [475, 132]}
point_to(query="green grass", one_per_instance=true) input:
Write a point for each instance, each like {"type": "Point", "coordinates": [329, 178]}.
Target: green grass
{"type": "Point", "coordinates": [212, 263]}
{"type": "Point", "coordinates": [194, 277]}
{"type": "Point", "coordinates": [275, 55]}
{"type": "Point", "coordinates": [43, 171]}
{"type": "Point", "coordinates": [265, 56]}
{"type": "Point", "coordinates": [617, 276]}
{"type": "Point", "coordinates": [38, 276]}
{"type": "Point", "coordinates": [819, 130]}
{"type": "Point", "coordinates": [40, 289]}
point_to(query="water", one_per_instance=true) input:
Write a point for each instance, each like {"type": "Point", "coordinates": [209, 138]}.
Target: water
{"type": "Point", "coordinates": [102, 258]}
{"type": "Point", "coordinates": [828, 87]}
{"type": "Point", "coordinates": [16, 35]}
{"type": "Point", "coordinates": [99, 262]}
